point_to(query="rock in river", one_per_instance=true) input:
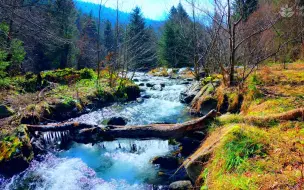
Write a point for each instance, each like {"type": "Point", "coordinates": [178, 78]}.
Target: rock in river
{"type": "Point", "coordinates": [181, 185]}
{"type": "Point", "coordinates": [166, 162]}
{"type": "Point", "coordinates": [117, 121]}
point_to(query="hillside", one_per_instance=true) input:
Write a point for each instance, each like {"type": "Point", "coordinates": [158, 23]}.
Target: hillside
{"type": "Point", "coordinates": [110, 14]}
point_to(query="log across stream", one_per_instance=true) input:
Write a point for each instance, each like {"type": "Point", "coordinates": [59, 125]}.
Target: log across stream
{"type": "Point", "coordinates": [158, 131]}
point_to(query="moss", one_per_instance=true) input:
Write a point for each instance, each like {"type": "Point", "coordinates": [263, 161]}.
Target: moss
{"type": "Point", "coordinates": [9, 146]}
{"type": "Point", "coordinates": [15, 151]}
{"type": "Point", "coordinates": [68, 75]}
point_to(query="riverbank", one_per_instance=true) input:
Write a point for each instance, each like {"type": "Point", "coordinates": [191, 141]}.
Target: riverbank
{"type": "Point", "coordinates": [49, 97]}
{"type": "Point", "coordinates": [259, 145]}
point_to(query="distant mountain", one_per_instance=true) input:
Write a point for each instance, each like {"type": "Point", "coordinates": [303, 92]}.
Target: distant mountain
{"type": "Point", "coordinates": [110, 14]}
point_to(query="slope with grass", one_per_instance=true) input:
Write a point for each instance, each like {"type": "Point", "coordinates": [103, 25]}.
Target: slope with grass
{"type": "Point", "coordinates": [262, 147]}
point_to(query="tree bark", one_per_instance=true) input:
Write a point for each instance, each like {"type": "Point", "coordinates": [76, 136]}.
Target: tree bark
{"type": "Point", "coordinates": [159, 131]}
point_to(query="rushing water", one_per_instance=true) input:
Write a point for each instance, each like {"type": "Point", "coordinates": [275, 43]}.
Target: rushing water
{"type": "Point", "coordinates": [122, 164]}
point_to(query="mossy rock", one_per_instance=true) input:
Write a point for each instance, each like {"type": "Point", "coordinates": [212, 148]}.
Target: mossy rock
{"type": "Point", "coordinates": [132, 91]}
{"type": "Point", "coordinates": [16, 152]}
{"type": "Point", "coordinates": [5, 111]}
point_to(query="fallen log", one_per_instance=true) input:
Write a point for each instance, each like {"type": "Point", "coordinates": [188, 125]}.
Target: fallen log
{"type": "Point", "coordinates": [296, 114]}
{"type": "Point", "coordinates": [161, 131]}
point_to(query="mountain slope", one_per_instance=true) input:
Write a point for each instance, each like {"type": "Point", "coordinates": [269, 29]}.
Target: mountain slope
{"type": "Point", "coordinates": [110, 14]}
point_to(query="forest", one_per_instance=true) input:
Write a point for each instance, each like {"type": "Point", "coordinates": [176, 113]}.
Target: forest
{"type": "Point", "coordinates": [209, 97]}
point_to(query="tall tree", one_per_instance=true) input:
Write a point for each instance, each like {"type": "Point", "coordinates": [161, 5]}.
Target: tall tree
{"type": "Point", "coordinates": [64, 14]}
{"type": "Point", "coordinates": [177, 42]}
{"type": "Point", "coordinates": [109, 42]}
{"type": "Point", "coordinates": [142, 50]}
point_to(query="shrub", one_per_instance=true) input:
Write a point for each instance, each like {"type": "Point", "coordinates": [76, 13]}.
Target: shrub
{"type": "Point", "coordinates": [87, 74]}
{"type": "Point", "coordinates": [5, 83]}
{"type": "Point", "coordinates": [68, 75]}
{"type": "Point", "coordinates": [104, 95]}
{"type": "Point", "coordinates": [27, 83]}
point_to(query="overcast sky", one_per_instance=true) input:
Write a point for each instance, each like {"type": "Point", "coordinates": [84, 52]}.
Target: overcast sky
{"type": "Point", "coordinates": [153, 9]}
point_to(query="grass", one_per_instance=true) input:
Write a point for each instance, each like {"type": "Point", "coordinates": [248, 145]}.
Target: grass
{"type": "Point", "coordinates": [249, 157]}
{"type": "Point", "coordinates": [259, 153]}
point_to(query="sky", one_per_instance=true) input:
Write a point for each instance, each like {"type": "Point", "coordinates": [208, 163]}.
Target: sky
{"type": "Point", "coordinates": [153, 9]}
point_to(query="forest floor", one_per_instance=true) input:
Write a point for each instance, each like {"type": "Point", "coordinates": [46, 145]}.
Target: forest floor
{"type": "Point", "coordinates": [265, 154]}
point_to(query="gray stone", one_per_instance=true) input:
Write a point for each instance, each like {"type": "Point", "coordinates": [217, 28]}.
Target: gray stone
{"type": "Point", "coordinates": [117, 121]}
{"type": "Point", "coordinates": [149, 85]}
{"type": "Point", "coordinates": [5, 111]}
{"type": "Point", "coordinates": [181, 185]}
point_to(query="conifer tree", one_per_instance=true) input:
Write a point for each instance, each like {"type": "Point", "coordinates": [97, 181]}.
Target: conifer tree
{"type": "Point", "coordinates": [142, 48]}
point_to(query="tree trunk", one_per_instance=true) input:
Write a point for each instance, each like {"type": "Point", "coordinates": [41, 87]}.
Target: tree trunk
{"type": "Point", "coordinates": [160, 131]}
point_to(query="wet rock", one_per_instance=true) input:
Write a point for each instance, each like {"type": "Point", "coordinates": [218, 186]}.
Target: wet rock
{"type": "Point", "coordinates": [141, 84]}
{"type": "Point", "coordinates": [5, 111]}
{"type": "Point", "coordinates": [204, 101]}
{"type": "Point", "coordinates": [189, 145]}
{"type": "Point", "coordinates": [198, 135]}
{"type": "Point", "coordinates": [118, 121]}
{"type": "Point", "coordinates": [133, 92]}
{"type": "Point", "coordinates": [166, 162]}
{"type": "Point", "coordinates": [139, 100]}
{"type": "Point", "coordinates": [135, 80]}
{"type": "Point", "coordinates": [186, 83]}
{"type": "Point", "coordinates": [157, 87]}
{"type": "Point", "coordinates": [189, 80]}
{"type": "Point", "coordinates": [188, 95]}
{"type": "Point", "coordinates": [149, 85]}
{"type": "Point", "coordinates": [162, 85]}
{"type": "Point", "coordinates": [145, 80]}
{"type": "Point", "coordinates": [16, 152]}
{"type": "Point", "coordinates": [146, 96]}
{"type": "Point", "coordinates": [181, 185]}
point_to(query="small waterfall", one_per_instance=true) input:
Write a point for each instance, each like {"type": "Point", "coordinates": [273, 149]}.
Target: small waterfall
{"type": "Point", "coordinates": [55, 137]}
{"type": "Point", "coordinates": [135, 146]}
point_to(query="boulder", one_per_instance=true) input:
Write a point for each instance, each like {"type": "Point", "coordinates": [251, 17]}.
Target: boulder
{"type": "Point", "coordinates": [16, 152]}
{"type": "Point", "coordinates": [204, 101]}
{"type": "Point", "coordinates": [186, 98]}
{"type": "Point", "coordinates": [146, 96]}
{"type": "Point", "coordinates": [185, 83]}
{"type": "Point", "coordinates": [139, 100]}
{"type": "Point", "coordinates": [188, 95]}
{"type": "Point", "coordinates": [118, 121]}
{"type": "Point", "coordinates": [189, 145]}
{"type": "Point", "coordinates": [166, 162]}
{"type": "Point", "coordinates": [5, 111]}
{"type": "Point", "coordinates": [149, 85]}
{"type": "Point", "coordinates": [133, 92]}
{"type": "Point", "coordinates": [181, 185]}
{"type": "Point", "coordinates": [157, 87]}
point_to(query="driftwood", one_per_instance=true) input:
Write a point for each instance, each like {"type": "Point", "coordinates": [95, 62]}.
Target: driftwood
{"type": "Point", "coordinates": [161, 131]}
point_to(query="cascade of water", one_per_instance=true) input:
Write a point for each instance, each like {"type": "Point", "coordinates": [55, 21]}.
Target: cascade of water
{"type": "Point", "coordinates": [55, 137]}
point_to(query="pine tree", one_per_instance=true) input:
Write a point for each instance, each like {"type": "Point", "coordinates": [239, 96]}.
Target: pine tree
{"type": "Point", "coordinates": [244, 8]}
{"type": "Point", "coordinates": [108, 37]}
{"type": "Point", "coordinates": [87, 42]}
{"type": "Point", "coordinates": [64, 14]}
{"type": "Point", "coordinates": [176, 43]}
{"type": "Point", "coordinates": [142, 48]}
